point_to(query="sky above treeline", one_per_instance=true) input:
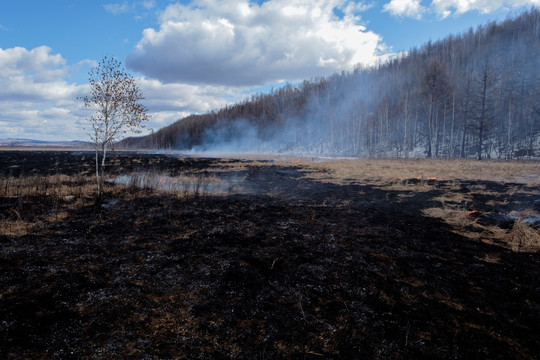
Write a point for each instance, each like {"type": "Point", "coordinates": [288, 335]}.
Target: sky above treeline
{"type": "Point", "coordinates": [200, 55]}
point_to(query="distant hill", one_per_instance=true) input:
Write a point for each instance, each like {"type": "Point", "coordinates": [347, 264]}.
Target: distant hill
{"type": "Point", "coordinates": [473, 94]}
{"type": "Point", "coordinates": [25, 143]}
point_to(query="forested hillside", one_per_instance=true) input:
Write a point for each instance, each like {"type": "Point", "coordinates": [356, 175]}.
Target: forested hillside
{"type": "Point", "coordinates": [475, 94]}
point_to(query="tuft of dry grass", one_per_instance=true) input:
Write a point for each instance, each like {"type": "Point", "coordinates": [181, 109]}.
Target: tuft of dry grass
{"type": "Point", "coordinates": [408, 185]}
{"type": "Point", "coordinates": [459, 219]}
{"type": "Point", "coordinates": [14, 227]}
{"type": "Point", "coordinates": [523, 237]}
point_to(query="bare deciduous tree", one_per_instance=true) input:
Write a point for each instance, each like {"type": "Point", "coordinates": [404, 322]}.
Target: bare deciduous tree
{"type": "Point", "coordinates": [115, 98]}
{"type": "Point", "coordinates": [484, 105]}
{"type": "Point", "coordinates": [435, 88]}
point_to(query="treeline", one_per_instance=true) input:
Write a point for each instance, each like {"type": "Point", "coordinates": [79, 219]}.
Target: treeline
{"type": "Point", "coordinates": [476, 94]}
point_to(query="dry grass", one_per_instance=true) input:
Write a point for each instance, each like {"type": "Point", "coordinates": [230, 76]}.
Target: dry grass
{"type": "Point", "coordinates": [409, 186]}
{"type": "Point", "coordinates": [459, 219]}
{"type": "Point", "coordinates": [28, 202]}
{"type": "Point", "coordinates": [33, 200]}
{"type": "Point", "coordinates": [451, 198]}
{"type": "Point", "coordinates": [244, 164]}
{"type": "Point", "coordinates": [14, 227]}
{"type": "Point", "coordinates": [523, 237]}
{"type": "Point", "coordinates": [454, 210]}
{"type": "Point", "coordinates": [54, 186]}
{"type": "Point", "coordinates": [183, 186]}
{"type": "Point", "coordinates": [392, 170]}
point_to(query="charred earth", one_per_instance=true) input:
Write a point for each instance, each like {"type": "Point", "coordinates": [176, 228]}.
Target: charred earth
{"type": "Point", "coordinates": [278, 266]}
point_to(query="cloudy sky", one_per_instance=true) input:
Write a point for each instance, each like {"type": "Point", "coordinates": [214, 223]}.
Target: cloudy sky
{"type": "Point", "coordinates": [195, 56]}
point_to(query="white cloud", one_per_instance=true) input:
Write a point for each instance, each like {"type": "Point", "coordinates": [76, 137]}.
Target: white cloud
{"type": "Point", "coordinates": [18, 60]}
{"type": "Point", "coordinates": [445, 8]}
{"type": "Point", "coordinates": [149, 4]}
{"type": "Point", "coordinates": [140, 9]}
{"type": "Point", "coordinates": [37, 102]}
{"type": "Point", "coordinates": [43, 121]}
{"type": "Point", "coordinates": [243, 43]}
{"type": "Point", "coordinates": [34, 75]}
{"type": "Point", "coordinates": [405, 8]}
{"type": "Point", "coordinates": [117, 8]}
{"type": "Point", "coordinates": [35, 99]}
{"type": "Point", "coordinates": [169, 102]}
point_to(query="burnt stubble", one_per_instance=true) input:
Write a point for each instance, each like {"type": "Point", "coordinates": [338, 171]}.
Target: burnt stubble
{"type": "Point", "coordinates": [287, 267]}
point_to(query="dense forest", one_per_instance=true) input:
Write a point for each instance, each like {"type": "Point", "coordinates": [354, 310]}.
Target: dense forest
{"type": "Point", "coordinates": [476, 94]}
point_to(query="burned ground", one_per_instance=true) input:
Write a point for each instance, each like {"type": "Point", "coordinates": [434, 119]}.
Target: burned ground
{"type": "Point", "coordinates": [289, 267]}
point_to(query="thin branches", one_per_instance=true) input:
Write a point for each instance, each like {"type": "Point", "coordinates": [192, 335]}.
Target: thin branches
{"type": "Point", "coordinates": [115, 99]}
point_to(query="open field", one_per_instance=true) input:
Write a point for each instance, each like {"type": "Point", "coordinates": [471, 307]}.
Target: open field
{"type": "Point", "coordinates": [269, 258]}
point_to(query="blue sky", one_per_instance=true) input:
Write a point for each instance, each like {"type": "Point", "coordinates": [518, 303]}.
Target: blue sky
{"type": "Point", "coordinates": [199, 55]}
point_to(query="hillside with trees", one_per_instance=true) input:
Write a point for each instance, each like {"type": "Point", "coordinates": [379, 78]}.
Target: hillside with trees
{"type": "Point", "coordinates": [476, 94]}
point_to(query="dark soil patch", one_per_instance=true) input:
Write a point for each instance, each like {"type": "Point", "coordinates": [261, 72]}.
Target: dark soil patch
{"type": "Point", "coordinates": [293, 269]}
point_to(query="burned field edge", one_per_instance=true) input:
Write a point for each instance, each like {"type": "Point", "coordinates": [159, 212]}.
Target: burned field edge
{"type": "Point", "coordinates": [299, 261]}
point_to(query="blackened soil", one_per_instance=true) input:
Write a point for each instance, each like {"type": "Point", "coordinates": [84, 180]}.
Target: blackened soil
{"type": "Point", "coordinates": [295, 269]}
{"type": "Point", "coordinates": [22, 163]}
